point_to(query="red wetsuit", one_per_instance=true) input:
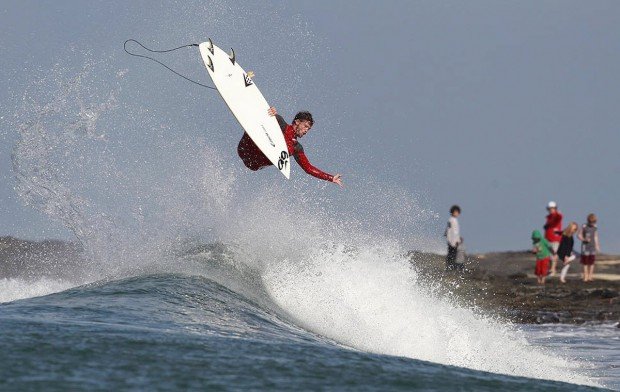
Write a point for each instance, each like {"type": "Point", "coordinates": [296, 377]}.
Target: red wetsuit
{"type": "Point", "coordinates": [254, 159]}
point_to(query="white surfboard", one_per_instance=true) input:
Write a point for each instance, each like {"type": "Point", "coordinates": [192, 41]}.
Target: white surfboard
{"type": "Point", "coordinates": [247, 104]}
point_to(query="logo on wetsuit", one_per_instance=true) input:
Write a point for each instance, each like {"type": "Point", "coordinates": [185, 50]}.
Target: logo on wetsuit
{"type": "Point", "coordinates": [283, 160]}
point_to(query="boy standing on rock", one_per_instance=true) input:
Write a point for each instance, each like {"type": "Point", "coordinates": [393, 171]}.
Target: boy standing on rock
{"type": "Point", "coordinates": [589, 247]}
{"type": "Point", "coordinates": [542, 249]}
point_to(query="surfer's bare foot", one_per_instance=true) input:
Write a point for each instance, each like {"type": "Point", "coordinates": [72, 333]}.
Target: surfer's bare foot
{"type": "Point", "coordinates": [272, 111]}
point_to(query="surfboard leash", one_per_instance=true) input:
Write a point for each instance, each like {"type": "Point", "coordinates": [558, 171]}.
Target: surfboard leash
{"type": "Point", "coordinates": [159, 62]}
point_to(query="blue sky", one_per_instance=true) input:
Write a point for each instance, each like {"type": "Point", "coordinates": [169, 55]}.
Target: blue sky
{"type": "Point", "coordinates": [496, 106]}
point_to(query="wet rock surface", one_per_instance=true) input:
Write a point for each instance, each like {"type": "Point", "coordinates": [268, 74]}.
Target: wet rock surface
{"type": "Point", "coordinates": [504, 284]}
{"type": "Point", "coordinates": [34, 260]}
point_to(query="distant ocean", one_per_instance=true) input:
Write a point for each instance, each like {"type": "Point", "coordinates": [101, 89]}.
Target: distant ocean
{"type": "Point", "coordinates": [223, 327]}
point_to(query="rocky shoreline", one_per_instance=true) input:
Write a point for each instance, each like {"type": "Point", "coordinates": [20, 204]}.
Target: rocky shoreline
{"type": "Point", "coordinates": [504, 285]}
{"type": "Point", "coordinates": [38, 259]}
{"type": "Point", "coordinates": [501, 284]}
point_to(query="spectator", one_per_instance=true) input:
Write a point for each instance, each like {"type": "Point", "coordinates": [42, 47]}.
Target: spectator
{"type": "Point", "coordinates": [565, 250]}
{"type": "Point", "coordinates": [589, 247]}
{"type": "Point", "coordinates": [543, 253]}
{"type": "Point", "coordinates": [453, 237]}
{"type": "Point", "coordinates": [553, 232]}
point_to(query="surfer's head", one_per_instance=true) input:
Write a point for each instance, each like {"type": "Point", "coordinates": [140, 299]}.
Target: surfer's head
{"type": "Point", "coordinates": [302, 123]}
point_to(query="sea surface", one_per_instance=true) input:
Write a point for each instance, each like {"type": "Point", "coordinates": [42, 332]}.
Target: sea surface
{"type": "Point", "coordinates": [221, 328]}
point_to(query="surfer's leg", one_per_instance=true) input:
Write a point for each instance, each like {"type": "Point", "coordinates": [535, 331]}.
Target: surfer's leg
{"type": "Point", "coordinates": [251, 155]}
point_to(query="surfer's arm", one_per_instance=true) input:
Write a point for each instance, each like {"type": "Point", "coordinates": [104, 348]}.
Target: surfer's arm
{"type": "Point", "coordinates": [281, 121]}
{"type": "Point", "coordinates": [305, 164]}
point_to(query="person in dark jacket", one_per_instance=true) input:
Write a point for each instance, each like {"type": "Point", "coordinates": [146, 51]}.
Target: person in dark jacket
{"type": "Point", "coordinates": [565, 250]}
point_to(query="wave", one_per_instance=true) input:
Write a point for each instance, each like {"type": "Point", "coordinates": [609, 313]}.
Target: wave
{"type": "Point", "coordinates": [189, 320]}
{"type": "Point", "coordinates": [361, 298]}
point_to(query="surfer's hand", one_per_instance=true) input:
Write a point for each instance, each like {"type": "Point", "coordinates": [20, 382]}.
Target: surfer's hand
{"type": "Point", "coordinates": [338, 180]}
{"type": "Point", "coordinates": [272, 111]}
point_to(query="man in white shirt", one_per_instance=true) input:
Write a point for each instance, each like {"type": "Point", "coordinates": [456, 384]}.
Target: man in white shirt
{"type": "Point", "coordinates": [454, 239]}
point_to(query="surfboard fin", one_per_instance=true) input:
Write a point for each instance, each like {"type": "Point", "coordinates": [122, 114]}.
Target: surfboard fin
{"type": "Point", "coordinates": [210, 46]}
{"type": "Point", "coordinates": [232, 55]}
{"type": "Point", "coordinates": [210, 64]}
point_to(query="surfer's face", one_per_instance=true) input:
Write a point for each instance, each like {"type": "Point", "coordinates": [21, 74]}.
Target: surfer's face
{"type": "Point", "coordinates": [301, 127]}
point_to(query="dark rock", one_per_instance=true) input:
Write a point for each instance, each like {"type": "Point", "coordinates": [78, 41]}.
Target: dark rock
{"type": "Point", "coordinates": [608, 293]}
{"type": "Point", "coordinates": [603, 316]}
{"type": "Point", "coordinates": [603, 293]}
{"type": "Point", "coordinates": [547, 318]}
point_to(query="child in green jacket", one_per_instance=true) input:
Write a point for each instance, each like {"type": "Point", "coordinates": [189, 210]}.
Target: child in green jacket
{"type": "Point", "coordinates": [542, 249]}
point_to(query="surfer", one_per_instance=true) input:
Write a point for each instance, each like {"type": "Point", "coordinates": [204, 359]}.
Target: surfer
{"type": "Point", "coordinates": [254, 159]}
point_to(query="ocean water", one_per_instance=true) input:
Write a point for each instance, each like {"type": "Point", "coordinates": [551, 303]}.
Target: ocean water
{"type": "Point", "coordinates": [216, 326]}
{"type": "Point", "coordinates": [596, 346]}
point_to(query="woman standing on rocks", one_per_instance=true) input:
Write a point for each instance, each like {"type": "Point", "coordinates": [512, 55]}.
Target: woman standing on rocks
{"type": "Point", "coordinates": [565, 250]}
{"type": "Point", "coordinates": [589, 247]}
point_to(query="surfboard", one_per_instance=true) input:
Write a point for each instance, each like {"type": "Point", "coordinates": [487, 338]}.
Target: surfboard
{"type": "Point", "coordinates": [247, 104]}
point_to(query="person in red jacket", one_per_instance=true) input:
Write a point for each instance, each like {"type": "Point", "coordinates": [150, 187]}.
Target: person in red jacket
{"type": "Point", "coordinates": [254, 159]}
{"type": "Point", "coordinates": [553, 232]}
